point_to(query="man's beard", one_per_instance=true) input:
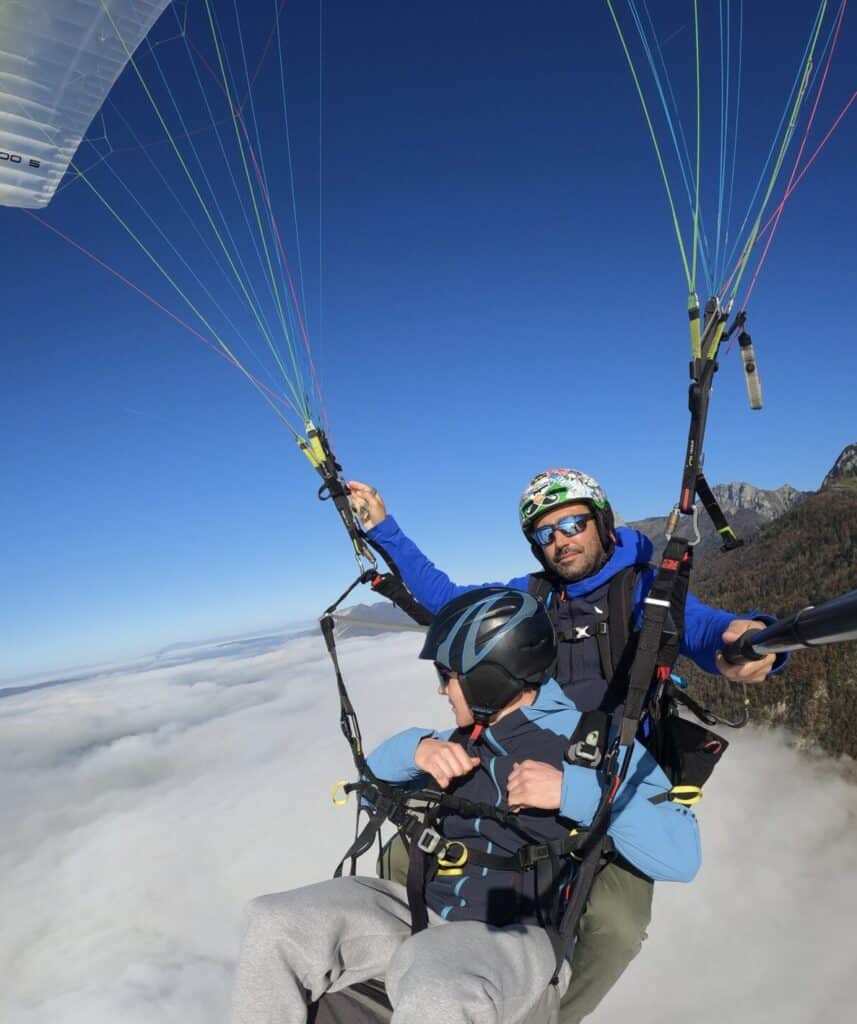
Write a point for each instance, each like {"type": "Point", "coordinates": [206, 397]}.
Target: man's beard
{"type": "Point", "coordinates": [585, 564]}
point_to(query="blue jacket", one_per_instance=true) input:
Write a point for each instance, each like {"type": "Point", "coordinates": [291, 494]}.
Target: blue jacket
{"type": "Point", "coordinates": [660, 840]}
{"type": "Point", "coordinates": [583, 679]}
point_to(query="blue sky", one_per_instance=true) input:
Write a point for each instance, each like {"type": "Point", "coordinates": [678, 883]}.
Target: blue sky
{"type": "Point", "coordinates": [492, 286]}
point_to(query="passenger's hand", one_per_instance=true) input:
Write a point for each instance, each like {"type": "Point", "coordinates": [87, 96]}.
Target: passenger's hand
{"type": "Point", "coordinates": [367, 504]}
{"type": "Point", "coordinates": [535, 784]}
{"type": "Point", "coordinates": [444, 761]}
{"type": "Point", "coordinates": [750, 671]}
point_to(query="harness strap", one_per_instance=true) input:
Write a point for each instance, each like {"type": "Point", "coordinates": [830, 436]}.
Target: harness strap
{"type": "Point", "coordinates": [581, 886]}
{"type": "Point", "coordinates": [360, 845]}
{"type": "Point", "coordinates": [605, 650]}
{"type": "Point", "coordinates": [657, 648]}
{"type": "Point", "coordinates": [704, 715]}
{"type": "Point", "coordinates": [392, 586]}
{"type": "Point", "coordinates": [454, 854]}
{"type": "Point", "coordinates": [660, 637]}
{"type": "Point", "coordinates": [384, 803]}
{"type": "Point", "coordinates": [715, 513]}
{"type": "Point", "coordinates": [418, 858]}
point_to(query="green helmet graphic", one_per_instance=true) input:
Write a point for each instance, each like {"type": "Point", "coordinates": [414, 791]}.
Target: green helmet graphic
{"type": "Point", "coordinates": [564, 486]}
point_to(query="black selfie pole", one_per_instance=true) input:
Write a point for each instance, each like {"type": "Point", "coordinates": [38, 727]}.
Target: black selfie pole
{"type": "Point", "coordinates": [830, 623]}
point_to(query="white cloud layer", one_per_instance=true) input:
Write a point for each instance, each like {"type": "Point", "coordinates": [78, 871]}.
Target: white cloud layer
{"type": "Point", "coordinates": [141, 809]}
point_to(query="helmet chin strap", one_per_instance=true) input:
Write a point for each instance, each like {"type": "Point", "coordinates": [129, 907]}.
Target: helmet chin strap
{"type": "Point", "coordinates": [481, 719]}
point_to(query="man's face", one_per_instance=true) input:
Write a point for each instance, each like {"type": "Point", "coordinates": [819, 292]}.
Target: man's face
{"type": "Point", "coordinates": [460, 707]}
{"type": "Point", "coordinates": [572, 558]}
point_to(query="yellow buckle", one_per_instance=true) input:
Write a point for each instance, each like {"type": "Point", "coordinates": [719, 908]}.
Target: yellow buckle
{"type": "Point", "coordinates": [449, 865]}
{"type": "Point", "coordinates": [339, 801]}
{"type": "Point", "coordinates": [686, 795]}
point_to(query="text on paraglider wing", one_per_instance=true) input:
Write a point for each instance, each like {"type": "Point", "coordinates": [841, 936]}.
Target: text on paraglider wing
{"type": "Point", "coordinates": [16, 158]}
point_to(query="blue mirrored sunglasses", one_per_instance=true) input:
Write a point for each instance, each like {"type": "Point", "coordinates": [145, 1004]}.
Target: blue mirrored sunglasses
{"type": "Point", "coordinates": [569, 526]}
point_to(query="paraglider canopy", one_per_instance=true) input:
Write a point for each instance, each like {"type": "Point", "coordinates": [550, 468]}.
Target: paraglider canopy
{"type": "Point", "coordinates": [59, 60]}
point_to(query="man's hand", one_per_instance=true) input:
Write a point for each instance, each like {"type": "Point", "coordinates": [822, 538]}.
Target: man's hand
{"type": "Point", "coordinates": [444, 761]}
{"type": "Point", "coordinates": [367, 504]}
{"type": "Point", "coordinates": [750, 671]}
{"type": "Point", "coordinates": [535, 784]}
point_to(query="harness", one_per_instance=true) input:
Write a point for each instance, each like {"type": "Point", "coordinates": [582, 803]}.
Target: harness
{"type": "Point", "coordinates": [418, 817]}
{"type": "Point", "coordinates": [687, 752]}
{"type": "Point", "coordinates": [417, 814]}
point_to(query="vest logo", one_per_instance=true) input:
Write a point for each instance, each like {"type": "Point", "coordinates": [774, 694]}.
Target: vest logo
{"type": "Point", "coordinates": [582, 633]}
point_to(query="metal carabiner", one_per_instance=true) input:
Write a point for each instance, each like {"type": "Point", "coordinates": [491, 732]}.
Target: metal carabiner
{"type": "Point", "coordinates": [672, 523]}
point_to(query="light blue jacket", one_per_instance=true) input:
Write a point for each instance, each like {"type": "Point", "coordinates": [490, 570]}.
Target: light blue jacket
{"type": "Point", "coordinates": [659, 839]}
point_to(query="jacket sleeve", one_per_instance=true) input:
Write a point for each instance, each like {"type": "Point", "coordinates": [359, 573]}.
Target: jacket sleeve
{"type": "Point", "coordinates": [393, 760]}
{"type": "Point", "coordinates": [703, 627]}
{"type": "Point", "coordinates": [703, 633]}
{"type": "Point", "coordinates": [429, 585]}
{"type": "Point", "coordinates": [661, 840]}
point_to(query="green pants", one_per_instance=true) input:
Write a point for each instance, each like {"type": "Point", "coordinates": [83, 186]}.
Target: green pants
{"type": "Point", "coordinates": [609, 936]}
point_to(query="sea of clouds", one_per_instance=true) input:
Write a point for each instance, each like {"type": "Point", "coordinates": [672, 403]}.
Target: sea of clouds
{"type": "Point", "coordinates": [141, 808]}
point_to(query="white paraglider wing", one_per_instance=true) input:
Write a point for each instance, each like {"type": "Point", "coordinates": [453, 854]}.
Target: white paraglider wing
{"type": "Point", "coordinates": [58, 61]}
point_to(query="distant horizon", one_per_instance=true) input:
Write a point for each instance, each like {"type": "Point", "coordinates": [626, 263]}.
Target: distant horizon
{"type": "Point", "coordinates": [78, 669]}
{"type": "Point", "coordinates": [157, 656]}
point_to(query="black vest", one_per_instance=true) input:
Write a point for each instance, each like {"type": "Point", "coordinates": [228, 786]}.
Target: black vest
{"type": "Point", "coordinates": [593, 634]}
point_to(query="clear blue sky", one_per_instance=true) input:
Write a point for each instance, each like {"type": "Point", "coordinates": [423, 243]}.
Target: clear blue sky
{"type": "Point", "coordinates": [492, 286]}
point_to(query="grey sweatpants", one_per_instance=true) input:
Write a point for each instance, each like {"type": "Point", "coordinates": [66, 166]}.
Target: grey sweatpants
{"type": "Point", "coordinates": [322, 938]}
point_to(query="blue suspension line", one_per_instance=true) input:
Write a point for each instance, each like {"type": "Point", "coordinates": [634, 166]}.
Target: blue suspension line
{"type": "Point", "coordinates": [226, 162]}
{"type": "Point", "coordinates": [720, 270]}
{"type": "Point", "coordinates": [647, 49]}
{"type": "Point", "coordinates": [290, 328]}
{"type": "Point", "coordinates": [776, 141]}
{"type": "Point", "coordinates": [228, 277]}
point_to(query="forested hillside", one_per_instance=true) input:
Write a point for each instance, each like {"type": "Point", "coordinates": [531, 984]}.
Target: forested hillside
{"type": "Point", "coordinates": [806, 556]}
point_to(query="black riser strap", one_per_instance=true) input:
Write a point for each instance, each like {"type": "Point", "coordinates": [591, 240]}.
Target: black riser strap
{"type": "Point", "coordinates": [715, 514]}
{"type": "Point", "coordinates": [393, 588]}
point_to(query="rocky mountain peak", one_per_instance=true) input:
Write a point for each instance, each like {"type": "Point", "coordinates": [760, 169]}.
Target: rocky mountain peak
{"type": "Point", "coordinates": [844, 471]}
{"type": "Point", "coordinates": [767, 504]}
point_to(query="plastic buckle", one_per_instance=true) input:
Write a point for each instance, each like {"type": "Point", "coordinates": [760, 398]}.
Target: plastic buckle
{"type": "Point", "coordinates": [530, 855]}
{"type": "Point", "coordinates": [685, 795]}
{"type": "Point", "coordinates": [447, 858]}
{"type": "Point", "coordinates": [429, 840]}
{"type": "Point", "coordinates": [587, 750]}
